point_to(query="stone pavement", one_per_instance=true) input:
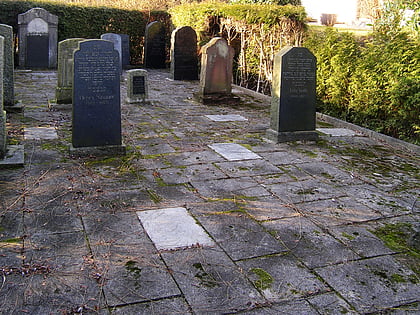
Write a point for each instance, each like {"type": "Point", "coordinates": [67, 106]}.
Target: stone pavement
{"type": "Point", "coordinates": [203, 215]}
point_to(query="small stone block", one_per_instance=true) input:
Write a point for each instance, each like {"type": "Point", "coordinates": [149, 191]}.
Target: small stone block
{"type": "Point", "coordinates": [226, 118]}
{"type": "Point", "coordinates": [38, 133]}
{"type": "Point", "coordinates": [173, 228]}
{"type": "Point", "coordinates": [15, 157]}
{"type": "Point", "coordinates": [337, 132]}
{"type": "Point", "coordinates": [234, 151]}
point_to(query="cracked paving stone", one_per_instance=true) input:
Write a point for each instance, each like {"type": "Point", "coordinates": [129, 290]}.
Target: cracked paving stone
{"type": "Point", "coordinates": [210, 281]}
{"type": "Point", "coordinates": [373, 284]}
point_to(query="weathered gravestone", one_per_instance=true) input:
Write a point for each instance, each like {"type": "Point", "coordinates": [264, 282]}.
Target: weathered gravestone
{"type": "Point", "coordinates": [137, 86]}
{"type": "Point", "coordinates": [184, 60]}
{"type": "Point", "coordinates": [10, 156]}
{"type": "Point", "coordinates": [154, 46]}
{"type": "Point", "coordinates": [117, 41]}
{"type": "Point", "coordinates": [37, 39]}
{"type": "Point", "coordinates": [216, 72]}
{"type": "Point", "coordinates": [64, 90]}
{"type": "Point", "coordinates": [6, 31]}
{"type": "Point", "coordinates": [96, 99]}
{"type": "Point", "coordinates": [125, 47]}
{"type": "Point", "coordinates": [293, 115]}
{"type": "Point", "coordinates": [3, 135]}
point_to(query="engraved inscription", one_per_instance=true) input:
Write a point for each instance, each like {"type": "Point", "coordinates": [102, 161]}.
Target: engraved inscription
{"type": "Point", "coordinates": [139, 85]}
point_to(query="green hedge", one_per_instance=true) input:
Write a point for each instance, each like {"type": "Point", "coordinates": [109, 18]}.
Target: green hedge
{"type": "Point", "coordinates": [374, 83]}
{"type": "Point", "coordinates": [90, 22]}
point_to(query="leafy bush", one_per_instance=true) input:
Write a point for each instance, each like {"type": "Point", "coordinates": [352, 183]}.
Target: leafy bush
{"type": "Point", "coordinates": [375, 83]}
{"type": "Point", "coordinates": [89, 22]}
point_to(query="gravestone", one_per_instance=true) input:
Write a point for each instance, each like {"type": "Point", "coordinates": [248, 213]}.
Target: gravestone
{"type": "Point", "coordinates": [117, 41]}
{"type": "Point", "coordinates": [154, 46]}
{"type": "Point", "coordinates": [3, 135]}
{"type": "Point", "coordinates": [37, 39]}
{"type": "Point", "coordinates": [64, 90]}
{"type": "Point", "coordinates": [293, 115]}
{"type": "Point", "coordinates": [125, 47]}
{"type": "Point", "coordinates": [216, 72]}
{"type": "Point", "coordinates": [96, 98]}
{"type": "Point", "coordinates": [184, 60]}
{"type": "Point", "coordinates": [137, 86]}
{"type": "Point", "coordinates": [6, 31]}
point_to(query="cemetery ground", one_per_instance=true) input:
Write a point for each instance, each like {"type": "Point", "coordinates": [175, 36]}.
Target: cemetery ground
{"type": "Point", "coordinates": [326, 227]}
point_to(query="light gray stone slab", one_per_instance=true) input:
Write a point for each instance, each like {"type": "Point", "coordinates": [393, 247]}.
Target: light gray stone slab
{"type": "Point", "coordinates": [41, 133]}
{"type": "Point", "coordinates": [234, 151]}
{"type": "Point", "coordinates": [248, 168]}
{"type": "Point", "coordinates": [337, 132]}
{"type": "Point", "coordinates": [173, 228]}
{"type": "Point", "coordinates": [15, 156]}
{"type": "Point", "coordinates": [222, 118]}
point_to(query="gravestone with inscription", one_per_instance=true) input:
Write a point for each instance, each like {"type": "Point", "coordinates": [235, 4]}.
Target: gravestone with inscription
{"type": "Point", "coordinates": [184, 60]}
{"type": "Point", "coordinates": [137, 87]}
{"type": "Point", "coordinates": [125, 49]}
{"type": "Point", "coordinates": [154, 46]}
{"type": "Point", "coordinates": [96, 97]}
{"type": "Point", "coordinates": [37, 39]}
{"type": "Point", "coordinates": [293, 115]}
{"type": "Point", "coordinates": [3, 135]}
{"type": "Point", "coordinates": [117, 41]}
{"type": "Point", "coordinates": [216, 72]}
{"type": "Point", "coordinates": [64, 90]}
{"type": "Point", "coordinates": [6, 31]}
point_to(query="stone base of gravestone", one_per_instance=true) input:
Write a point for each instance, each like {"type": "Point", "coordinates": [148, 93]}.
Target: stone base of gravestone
{"type": "Point", "coordinates": [217, 99]}
{"type": "Point", "coordinates": [289, 136]}
{"type": "Point", "coordinates": [14, 157]}
{"type": "Point", "coordinates": [108, 150]}
{"type": "Point", "coordinates": [64, 95]}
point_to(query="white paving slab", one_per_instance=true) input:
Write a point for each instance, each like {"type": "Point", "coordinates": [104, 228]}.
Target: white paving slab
{"type": "Point", "coordinates": [226, 117]}
{"type": "Point", "coordinates": [173, 228]}
{"type": "Point", "coordinates": [337, 132]}
{"type": "Point", "coordinates": [234, 151]}
{"type": "Point", "coordinates": [41, 133]}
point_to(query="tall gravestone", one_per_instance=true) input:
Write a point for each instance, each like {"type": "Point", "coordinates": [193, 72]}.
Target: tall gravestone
{"type": "Point", "coordinates": [125, 47]}
{"type": "Point", "coordinates": [216, 72]}
{"type": "Point", "coordinates": [6, 31]}
{"type": "Point", "coordinates": [96, 97]}
{"type": "Point", "coordinates": [37, 39]}
{"type": "Point", "coordinates": [64, 90]}
{"type": "Point", "coordinates": [154, 46]}
{"type": "Point", "coordinates": [293, 115]}
{"type": "Point", "coordinates": [184, 60]}
{"type": "Point", "coordinates": [117, 41]}
{"type": "Point", "coordinates": [3, 135]}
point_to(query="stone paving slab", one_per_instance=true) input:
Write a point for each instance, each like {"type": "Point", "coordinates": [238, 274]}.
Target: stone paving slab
{"type": "Point", "coordinates": [294, 227]}
{"type": "Point", "coordinates": [180, 229]}
{"type": "Point", "coordinates": [211, 282]}
{"type": "Point", "coordinates": [222, 118]}
{"type": "Point", "coordinates": [377, 283]}
{"type": "Point", "coordinates": [234, 151]}
{"type": "Point", "coordinates": [38, 133]}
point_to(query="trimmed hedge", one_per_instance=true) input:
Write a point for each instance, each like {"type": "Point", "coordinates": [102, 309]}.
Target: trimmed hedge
{"type": "Point", "coordinates": [90, 22]}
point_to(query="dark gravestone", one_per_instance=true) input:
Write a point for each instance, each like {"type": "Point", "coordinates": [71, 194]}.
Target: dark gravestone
{"type": "Point", "coordinates": [96, 95]}
{"type": "Point", "coordinates": [139, 85]}
{"type": "Point", "coordinates": [293, 115]}
{"type": "Point", "coordinates": [154, 46]}
{"type": "Point", "coordinates": [3, 134]}
{"type": "Point", "coordinates": [37, 39]}
{"type": "Point", "coordinates": [184, 60]}
{"type": "Point", "coordinates": [37, 47]}
{"type": "Point", "coordinates": [125, 46]}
